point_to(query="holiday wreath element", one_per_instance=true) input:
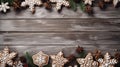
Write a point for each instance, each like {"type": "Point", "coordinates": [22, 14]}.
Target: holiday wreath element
{"type": "Point", "coordinates": [6, 57]}
{"type": "Point", "coordinates": [85, 5]}
{"type": "Point", "coordinates": [40, 59]}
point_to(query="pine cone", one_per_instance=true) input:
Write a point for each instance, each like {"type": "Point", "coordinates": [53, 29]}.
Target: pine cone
{"type": "Point", "coordinates": [117, 56]}
{"type": "Point", "coordinates": [23, 59]}
{"type": "Point", "coordinates": [71, 57]}
{"type": "Point", "coordinates": [101, 4]}
{"type": "Point", "coordinates": [97, 54]}
{"type": "Point", "coordinates": [48, 5]}
{"type": "Point", "coordinates": [79, 49]}
{"type": "Point", "coordinates": [89, 9]}
{"type": "Point", "coordinates": [16, 4]}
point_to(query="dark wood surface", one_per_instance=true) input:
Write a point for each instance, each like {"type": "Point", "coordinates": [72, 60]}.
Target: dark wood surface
{"type": "Point", "coordinates": [53, 32]}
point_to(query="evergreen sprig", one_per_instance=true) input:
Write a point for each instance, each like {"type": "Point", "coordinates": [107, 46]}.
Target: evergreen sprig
{"type": "Point", "coordinates": [82, 6]}
{"type": "Point", "coordinates": [9, 1]}
{"type": "Point", "coordinates": [29, 60]}
{"type": "Point", "coordinates": [82, 54]}
{"type": "Point", "coordinates": [74, 5]}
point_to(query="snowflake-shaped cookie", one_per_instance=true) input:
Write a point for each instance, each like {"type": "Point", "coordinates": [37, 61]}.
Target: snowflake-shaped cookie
{"type": "Point", "coordinates": [4, 7]}
{"type": "Point", "coordinates": [58, 60]}
{"type": "Point", "coordinates": [6, 57]}
{"type": "Point", "coordinates": [59, 3]}
{"type": "Point", "coordinates": [87, 61]}
{"type": "Point", "coordinates": [107, 61]}
{"type": "Point", "coordinates": [31, 4]}
{"type": "Point", "coordinates": [88, 2]}
{"type": "Point", "coordinates": [40, 59]}
{"type": "Point", "coordinates": [115, 2]}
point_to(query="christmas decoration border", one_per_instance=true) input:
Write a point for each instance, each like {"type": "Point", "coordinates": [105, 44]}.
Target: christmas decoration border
{"type": "Point", "coordinates": [85, 5]}
{"type": "Point", "coordinates": [43, 60]}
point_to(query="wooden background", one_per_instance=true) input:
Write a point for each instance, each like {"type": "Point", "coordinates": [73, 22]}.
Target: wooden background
{"type": "Point", "coordinates": [52, 32]}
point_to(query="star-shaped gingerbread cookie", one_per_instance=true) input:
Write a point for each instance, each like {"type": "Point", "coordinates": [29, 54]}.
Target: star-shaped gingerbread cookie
{"type": "Point", "coordinates": [59, 3]}
{"type": "Point", "coordinates": [87, 61]}
{"type": "Point", "coordinates": [58, 60]}
{"type": "Point", "coordinates": [6, 57]}
{"type": "Point", "coordinates": [31, 4]}
{"type": "Point", "coordinates": [88, 2]}
{"type": "Point", "coordinates": [107, 61]}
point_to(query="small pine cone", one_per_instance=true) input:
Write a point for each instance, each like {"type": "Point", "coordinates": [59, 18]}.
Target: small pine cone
{"type": "Point", "coordinates": [101, 4]}
{"type": "Point", "coordinates": [16, 4]}
{"type": "Point", "coordinates": [71, 57]}
{"type": "Point", "coordinates": [79, 49]}
{"type": "Point", "coordinates": [117, 56]}
{"type": "Point", "coordinates": [23, 59]}
{"type": "Point", "coordinates": [33, 11]}
{"type": "Point", "coordinates": [89, 9]}
{"type": "Point", "coordinates": [48, 5]}
{"type": "Point", "coordinates": [97, 54]}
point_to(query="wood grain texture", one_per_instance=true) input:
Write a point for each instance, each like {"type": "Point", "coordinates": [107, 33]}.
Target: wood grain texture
{"type": "Point", "coordinates": [61, 32]}
{"type": "Point", "coordinates": [60, 25]}
{"type": "Point", "coordinates": [53, 32]}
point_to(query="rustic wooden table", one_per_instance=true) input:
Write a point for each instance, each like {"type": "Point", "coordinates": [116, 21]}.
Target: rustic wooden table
{"type": "Point", "coordinates": [52, 32]}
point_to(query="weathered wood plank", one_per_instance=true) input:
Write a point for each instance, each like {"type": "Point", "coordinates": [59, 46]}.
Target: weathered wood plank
{"type": "Point", "coordinates": [67, 39]}
{"type": "Point", "coordinates": [1, 38]}
{"type": "Point", "coordinates": [52, 32]}
{"type": "Point", "coordinates": [110, 12]}
{"type": "Point", "coordinates": [60, 25]}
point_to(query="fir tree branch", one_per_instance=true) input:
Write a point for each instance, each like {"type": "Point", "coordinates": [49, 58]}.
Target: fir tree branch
{"type": "Point", "coordinates": [29, 60]}
{"type": "Point", "coordinates": [73, 5]}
